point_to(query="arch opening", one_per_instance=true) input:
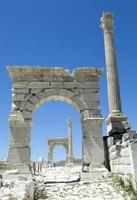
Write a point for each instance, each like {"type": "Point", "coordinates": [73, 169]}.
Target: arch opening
{"type": "Point", "coordinates": [59, 155]}
{"type": "Point", "coordinates": [50, 121]}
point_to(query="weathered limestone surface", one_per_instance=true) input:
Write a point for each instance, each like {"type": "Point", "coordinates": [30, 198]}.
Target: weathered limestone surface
{"type": "Point", "coordinates": [19, 190]}
{"type": "Point", "coordinates": [63, 186]}
{"type": "Point", "coordinates": [33, 86]}
{"type": "Point", "coordinates": [123, 157]}
{"type": "Point", "coordinates": [60, 183]}
{"type": "Point", "coordinates": [93, 143]}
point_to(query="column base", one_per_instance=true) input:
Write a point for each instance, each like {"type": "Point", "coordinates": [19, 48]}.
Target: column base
{"type": "Point", "coordinates": [70, 160]}
{"type": "Point", "coordinates": [117, 124]}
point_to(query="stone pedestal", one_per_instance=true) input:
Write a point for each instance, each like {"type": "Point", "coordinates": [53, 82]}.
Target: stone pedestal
{"type": "Point", "coordinates": [115, 124]}
{"type": "Point", "coordinates": [93, 150]}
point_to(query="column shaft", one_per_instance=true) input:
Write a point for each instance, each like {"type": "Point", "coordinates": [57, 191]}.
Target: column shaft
{"type": "Point", "coordinates": [112, 75]}
{"type": "Point", "coordinates": [111, 64]}
{"type": "Point", "coordinates": [115, 118]}
{"type": "Point", "coordinates": [70, 148]}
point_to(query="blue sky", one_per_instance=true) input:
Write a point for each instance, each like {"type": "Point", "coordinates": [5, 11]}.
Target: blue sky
{"type": "Point", "coordinates": [64, 33]}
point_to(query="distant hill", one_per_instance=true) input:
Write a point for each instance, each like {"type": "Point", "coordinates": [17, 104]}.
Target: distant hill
{"type": "Point", "coordinates": [77, 161]}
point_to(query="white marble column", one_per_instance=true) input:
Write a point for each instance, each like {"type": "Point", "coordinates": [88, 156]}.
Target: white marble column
{"type": "Point", "coordinates": [115, 117]}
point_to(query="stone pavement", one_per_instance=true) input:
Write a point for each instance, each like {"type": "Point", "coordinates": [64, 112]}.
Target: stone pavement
{"type": "Point", "coordinates": [61, 184]}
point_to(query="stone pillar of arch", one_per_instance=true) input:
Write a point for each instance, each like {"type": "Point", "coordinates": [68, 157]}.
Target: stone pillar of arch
{"type": "Point", "coordinates": [50, 155]}
{"type": "Point", "coordinates": [92, 143]}
{"type": "Point", "coordinates": [19, 144]}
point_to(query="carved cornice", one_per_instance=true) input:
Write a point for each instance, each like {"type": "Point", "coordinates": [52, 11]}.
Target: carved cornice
{"type": "Point", "coordinates": [25, 73]}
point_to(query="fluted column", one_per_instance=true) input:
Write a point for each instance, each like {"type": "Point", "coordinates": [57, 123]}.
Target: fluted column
{"type": "Point", "coordinates": [115, 117]}
{"type": "Point", "coordinates": [70, 148]}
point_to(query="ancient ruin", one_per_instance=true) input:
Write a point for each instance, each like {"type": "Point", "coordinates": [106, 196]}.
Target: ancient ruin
{"type": "Point", "coordinates": [33, 86]}
{"type": "Point", "coordinates": [122, 143]}
{"type": "Point", "coordinates": [116, 152]}
{"type": "Point", "coordinates": [65, 142]}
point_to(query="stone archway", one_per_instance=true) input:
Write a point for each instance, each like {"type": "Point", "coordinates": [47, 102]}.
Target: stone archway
{"type": "Point", "coordinates": [54, 142]}
{"type": "Point", "coordinates": [65, 142]}
{"type": "Point", "coordinates": [33, 86]}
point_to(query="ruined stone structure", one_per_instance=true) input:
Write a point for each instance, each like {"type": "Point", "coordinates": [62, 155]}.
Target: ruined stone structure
{"type": "Point", "coordinates": [33, 86]}
{"type": "Point", "coordinates": [52, 143]}
{"type": "Point", "coordinates": [121, 143]}
{"type": "Point", "coordinates": [65, 142]}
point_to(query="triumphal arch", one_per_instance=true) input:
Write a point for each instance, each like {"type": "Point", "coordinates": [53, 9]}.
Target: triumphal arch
{"type": "Point", "coordinates": [33, 86]}
{"type": "Point", "coordinates": [52, 143]}
{"type": "Point", "coordinates": [65, 142]}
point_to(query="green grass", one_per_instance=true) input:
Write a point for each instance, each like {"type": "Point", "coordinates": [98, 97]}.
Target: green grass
{"type": "Point", "coordinates": [118, 182]}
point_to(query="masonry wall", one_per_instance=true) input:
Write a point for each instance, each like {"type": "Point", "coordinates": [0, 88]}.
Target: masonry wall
{"type": "Point", "coordinates": [123, 156]}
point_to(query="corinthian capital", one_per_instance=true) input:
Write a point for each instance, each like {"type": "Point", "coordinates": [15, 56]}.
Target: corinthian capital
{"type": "Point", "coordinates": [107, 23]}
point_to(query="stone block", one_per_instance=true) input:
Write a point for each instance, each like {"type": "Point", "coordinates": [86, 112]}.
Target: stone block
{"type": "Point", "coordinates": [21, 91]}
{"type": "Point", "coordinates": [125, 144]}
{"type": "Point", "coordinates": [92, 176]}
{"type": "Point", "coordinates": [19, 158]}
{"type": "Point", "coordinates": [121, 161]}
{"type": "Point", "coordinates": [90, 85]}
{"type": "Point", "coordinates": [91, 96]}
{"type": "Point", "coordinates": [20, 136]}
{"type": "Point", "coordinates": [85, 114]}
{"type": "Point", "coordinates": [128, 136]}
{"type": "Point", "coordinates": [30, 106]}
{"type": "Point", "coordinates": [20, 85]}
{"type": "Point", "coordinates": [126, 125]}
{"type": "Point", "coordinates": [110, 141]}
{"type": "Point", "coordinates": [57, 84]}
{"type": "Point", "coordinates": [93, 151]}
{"type": "Point", "coordinates": [34, 99]}
{"type": "Point", "coordinates": [122, 169]}
{"type": "Point", "coordinates": [18, 97]}
{"type": "Point", "coordinates": [86, 78]}
{"type": "Point", "coordinates": [114, 155]}
{"type": "Point", "coordinates": [23, 105]}
{"type": "Point", "coordinates": [38, 85]}
{"type": "Point", "coordinates": [71, 85]}
{"type": "Point", "coordinates": [133, 154]}
{"type": "Point", "coordinates": [125, 152]}
{"type": "Point", "coordinates": [92, 127]}
{"type": "Point", "coordinates": [41, 95]}
{"type": "Point", "coordinates": [114, 148]}
{"type": "Point", "coordinates": [35, 90]}
{"type": "Point", "coordinates": [82, 85]}
{"type": "Point", "coordinates": [27, 115]}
